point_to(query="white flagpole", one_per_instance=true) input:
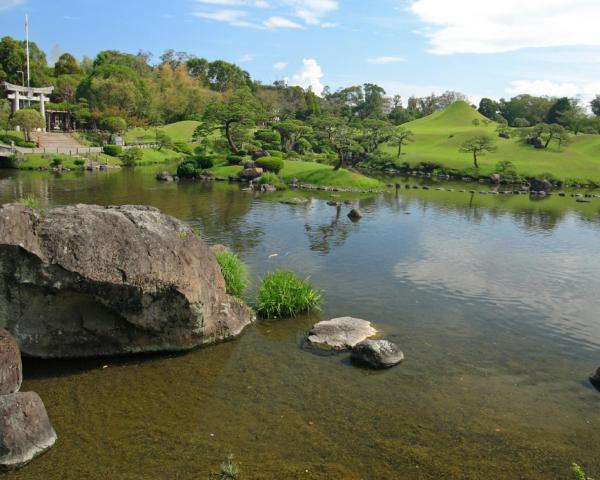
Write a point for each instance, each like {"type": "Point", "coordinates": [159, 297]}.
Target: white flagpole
{"type": "Point", "coordinates": [27, 45]}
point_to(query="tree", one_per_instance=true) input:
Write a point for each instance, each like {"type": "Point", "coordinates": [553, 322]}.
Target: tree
{"type": "Point", "coordinates": [336, 133]}
{"type": "Point", "coordinates": [543, 134]}
{"type": "Point", "coordinates": [29, 120]}
{"type": "Point", "coordinates": [239, 109]}
{"type": "Point", "coordinates": [374, 133]}
{"type": "Point", "coordinates": [558, 110]}
{"type": "Point", "coordinates": [533, 109]}
{"type": "Point", "coordinates": [113, 124]}
{"type": "Point", "coordinates": [163, 140]}
{"type": "Point", "coordinates": [488, 108]}
{"type": "Point", "coordinates": [13, 61]}
{"type": "Point", "coordinates": [291, 131]}
{"type": "Point", "coordinates": [478, 146]}
{"type": "Point", "coordinates": [66, 65]}
{"type": "Point", "coordinates": [400, 137]}
{"type": "Point", "coordinates": [595, 104]}
{"type": "Point", "coordinates": [4, 115]}
{"type": "Point", "coordinates": [372, 106]}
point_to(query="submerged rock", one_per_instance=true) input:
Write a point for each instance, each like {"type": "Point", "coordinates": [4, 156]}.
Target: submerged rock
{"type": "Point", "coordinates": [11, 369]}
{"type": "Point", "coordinates": [376, 354]}
{"type": "Point", "coordinates": [165, 177]}
{"type": "Point", "coordinates": [340, 333]}
{"type": "Point", "coordinates": [595, 379]}
{"type": "Point", "coordinates": [355, 214]}
{"type": "Point", "coordinates": [25, 430]}
{"type": "Point", "coordinates": [87, 280]}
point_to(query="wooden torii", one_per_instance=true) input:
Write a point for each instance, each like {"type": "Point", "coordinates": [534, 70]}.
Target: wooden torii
{"type": "Point", "coordinates": [16, 93]}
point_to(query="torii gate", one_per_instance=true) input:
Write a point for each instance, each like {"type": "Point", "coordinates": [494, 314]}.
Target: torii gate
{"type": "Point", "coordinates": [16, 93]}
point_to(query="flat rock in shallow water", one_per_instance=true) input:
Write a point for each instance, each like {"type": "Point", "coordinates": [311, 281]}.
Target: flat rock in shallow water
{"type": "Point", "coordinates": [376, 354]}
{"type": "Point", "coordinates": [11, 369]}
{"type": "Point", "coordinates": [25, 430]}
{"type": "Point", "coordinates": [340, 333]}
{"type": "Point", "coordinates": [87, 280]}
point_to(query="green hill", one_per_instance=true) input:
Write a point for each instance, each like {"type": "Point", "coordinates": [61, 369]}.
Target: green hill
{"type": "Point", "coordinates": [178, 131]}
{"type": "Point", "coordinates": [438, 138]}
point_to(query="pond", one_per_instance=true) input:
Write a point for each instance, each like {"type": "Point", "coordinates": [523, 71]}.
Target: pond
{"type": "Point", "coordinates": [494, 301]}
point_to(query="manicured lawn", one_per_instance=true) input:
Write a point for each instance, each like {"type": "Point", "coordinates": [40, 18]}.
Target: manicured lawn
{"type": "Point", "coordinates": [179, 132]}
{"type": "Point", "coordinates": [35, 161]}
{"type": "Point", "coordinates": [314, 174]}
{"type": "Point", "coordinates": [438, 138]}
{"type": "Point", "coordinates": [152, 156]}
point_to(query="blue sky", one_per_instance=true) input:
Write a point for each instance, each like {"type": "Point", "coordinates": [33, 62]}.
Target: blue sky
{"type": "Point", "coordinates": [479, 47]}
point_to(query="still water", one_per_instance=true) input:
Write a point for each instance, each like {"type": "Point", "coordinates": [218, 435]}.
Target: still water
{"type": "Point", "coordinates": [494, 301]}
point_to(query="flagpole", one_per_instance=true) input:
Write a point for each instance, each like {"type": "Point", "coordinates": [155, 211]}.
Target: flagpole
{"type": "Point", "coordinates": [27, 46]}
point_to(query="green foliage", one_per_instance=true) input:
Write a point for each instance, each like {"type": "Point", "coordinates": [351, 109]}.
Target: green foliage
{"type": "Point", "coordinates": [183, 147]}
{"type": "Point", "coordinates": [30, 201]}
{"type": "Point", "coordinates": [579, 473]}
{"type": "Point", "coordinates": [229, 470]}
{"type": "Point", "coordinates": [283, 294]}
{"type": "Point", "coordinates": [269, 139]}
{"type": "Point", "coordinates": [131, 156]}
{"type": "Point", "coordinates": [270, 164]}
{"type": "Point", "coordinates": [270, 178]}
{"type": "Point", "coordinates": [28, 120]}
{"type": "Point", "coordinates": [477, 146]}
{"type": "Point", "coordinates": [303, 146]}
{"type": "Point", "coordinates": [186, 169]}
{"type": "Point", "coordinates": [66, 65]}
{"type": "Point", "coordinates": [56, 162]}
{"type": "Point", "coordinates": [79, 162]}
{"type": "Point", "coordinates": [19, 141]}
{"type": "Point", "coordinates": [234, 159]}
{"type": "Point", "coordinates": [203, 162]}
{"type": "Point", "coordinates": [112, 150]}
{"type": "Point", "coordinates": [163, 140]}
{"type": "Point", "coordinates": [113, 124]}
{"type": "Point", "coordinates": [275, 153]}
{"type": "Point", "coordinates": [234, 271]}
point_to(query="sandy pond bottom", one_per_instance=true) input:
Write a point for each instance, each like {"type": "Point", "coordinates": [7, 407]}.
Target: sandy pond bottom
{"type": "Point", "coordinates": [493, 301]}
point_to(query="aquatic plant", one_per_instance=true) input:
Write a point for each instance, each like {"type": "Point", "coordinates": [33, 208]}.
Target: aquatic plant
{"type": "Point", "coordinates": [579, 473]}
{"type": "Point", "coordinates": [229, 470]}
{"type": "Point", "coordinates": [283, 294]}
{"type": "Point", "coordinates": [271, 179]}
{"type": "Point", "coordinates": [234, 271]}
{"type": "Point", "coordinates": [30, 201]}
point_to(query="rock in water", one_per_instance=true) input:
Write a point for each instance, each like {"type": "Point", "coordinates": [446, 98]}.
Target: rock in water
{"type": "Point", "coordinates": [87, 280]}
{"type": "Point", "coordinates": [355, 214]}
{"type": "Point", "coordinates": [11, 369]}
{"type": "Point", "coordinates": [25, 431]}
{"type": "Point", "coordinates": [376, 354]}
{"type": "Point", "coordinates": [595, 379]}
{"type": "Point", "coordinates": [340, 333]}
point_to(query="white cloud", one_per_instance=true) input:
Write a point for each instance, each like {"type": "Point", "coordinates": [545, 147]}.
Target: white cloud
{"type": "Point", "coordinates": [471, 26]}
{"type": "Point", "coordinates": [279, 65]}
{"type": "Point", "coordinates": [280, 22]}
{"type": "Point", "coordinates": [586, 91]}
{"type": "Point", "coordinates": [384, 60]}
{"type": "Point", "coordinates": [248, 57]}
{"type": "Point", "coordinates": [309, 76]}
{"type": "Point", "coordinates": [312, 11]}
{"type": "Point", "coordinates": [245, 3]}
{"type": "Point", "coordinates": [232, 17]}
{"type": "Point", "coordinates": [8, 4]}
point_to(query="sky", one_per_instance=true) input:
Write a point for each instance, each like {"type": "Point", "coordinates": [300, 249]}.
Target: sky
{"type": "Point", "coordinates": [483, 48]}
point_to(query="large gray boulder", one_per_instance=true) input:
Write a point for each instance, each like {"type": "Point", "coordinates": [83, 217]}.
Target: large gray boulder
{"type": "Point", "coordinates": [11, 369]}
{"type": "Point", "coordinates": [87, 280]}
{"type": "Point", "coordinates": [376, 354]}
{"type": "Point", "coordinates": [25, 430]}
{"type": "Point", "coordinates": [340, 333]}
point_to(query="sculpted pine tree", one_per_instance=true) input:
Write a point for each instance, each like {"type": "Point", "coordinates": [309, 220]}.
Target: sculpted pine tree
{"type": "Point", "coordinates": [401, 137]}
{"type": "Point", "coordinates": [240, 110]}
{"type": "Point", "coordinates": [478, 146]}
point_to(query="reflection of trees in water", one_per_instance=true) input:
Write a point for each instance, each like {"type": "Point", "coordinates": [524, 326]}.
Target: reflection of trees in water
{"type": "Point", "coordinates": [323, 238]}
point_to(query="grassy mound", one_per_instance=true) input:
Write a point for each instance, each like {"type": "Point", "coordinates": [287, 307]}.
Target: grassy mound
{"type": "Point", "coordinates": [283, 294]}
{"type": "Point", "coordinates": [314, 174]}
{"type": "Point", "coordinates": [178, 131]}
{"type": "Point", "coordinates": [438, 138]}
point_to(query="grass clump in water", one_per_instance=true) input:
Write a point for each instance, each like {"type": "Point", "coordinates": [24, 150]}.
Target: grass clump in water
{"type": "Point", "coordinates": [283, 294]}
{"type": "Point", "coordinates": [271, 178]}
{"type": "Point", "coordinates": [229, 470]}
{"type": "Point", "coordinates": [579, 473]}
{"type": "Point", "coordinates": [235, 272]}
{"type": "Point", "coordinates": [30, 201]}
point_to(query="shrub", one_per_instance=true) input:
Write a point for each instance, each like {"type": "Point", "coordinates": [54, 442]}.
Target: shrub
{"type": "Point", "coordinates": [203, 162]}
{"type": "Point", "coordinates": [234, 159]}
{"type": "Point", "coordinates": [112, 150]}
{"type": "Point", "coordinates": [186, 169]}
{"type": "Point", "coordinates": [292, 156]}
{"type": "Point", "coordinates": [271, 178]}
{"type": "Point", "coordinates": [275, 153]}
{"type": "Point", "coordinates": [182, 147]}
{"type": "Point", "coordinates": [303, 145]}
{"type": "Point", "coordinates": [79, 162]}
{"type": "Point", "coordinates": [113, 124]}
{"type": "Point", "coordinates": [268, 138]}
{"type": "Point", "coordinates": [270, 164]}
{"type": "Point", "coordinates": [131, 156]}
{"type": "Point", "coordinates": [163, 140]}
{"type": "Point", "coordinates": [234, 271]}
{"type": "Point", "coordinates": [56, 162]}
{"type": "Point", "coordinates": [283, 294]}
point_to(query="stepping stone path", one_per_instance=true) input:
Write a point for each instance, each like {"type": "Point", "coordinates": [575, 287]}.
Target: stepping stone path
{"type": "Point", "coordinates": [340, 333]}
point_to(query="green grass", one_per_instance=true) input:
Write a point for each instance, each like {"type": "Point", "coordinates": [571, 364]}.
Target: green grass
{"type": "Point", "coordinates": [439, 136]}
{"type": "Point", "coordinates": [152, 156]}
{"type": "Point", "coordinates": [283, 294]}
{"type": "Point", "coordinates": [38, 161]}
{"type": "Point", "coordinates": [234, 271]}
{"type": "Point", "coordinates": [178, 131]}
{"type": "Point", "coordinates": [30, 201]}
{"type": "Point", "coordinates": [314, 174]}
